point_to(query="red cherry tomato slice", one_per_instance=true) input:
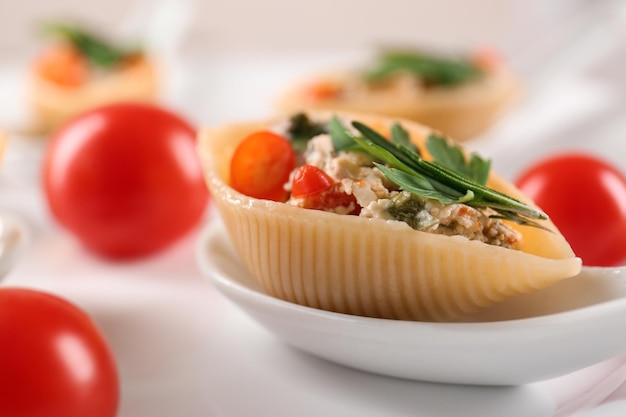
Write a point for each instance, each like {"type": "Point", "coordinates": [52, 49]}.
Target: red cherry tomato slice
{"type": "Point", "coordinates": [63, 65]}
{"type": "Point", "coordinates": [321, 91]}
{"type": "Point", "coordinates": [261, 166]}
{"type": "Point", "coordinates": [309, 179]}
{"type": "Point", "coordinates": [586, 199]}
{"type": "Point", "coordinates": [332, 199]}
{"type": "Point", "coordinates": [487, 59]}
{"type": "Point", "coordinates": [54, 361]}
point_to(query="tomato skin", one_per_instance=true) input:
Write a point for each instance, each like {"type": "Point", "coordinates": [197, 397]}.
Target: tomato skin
{"type": "Point", "coordinates": [261, 166]}
{"type": "Point", "coordinates": [125, 179]}
{"type": "Point", "coordinates": [309, 179]}
{"type": "Point", "coordinates": [586, 199]}
{"type": "Point", "coordinates": [54, 361]}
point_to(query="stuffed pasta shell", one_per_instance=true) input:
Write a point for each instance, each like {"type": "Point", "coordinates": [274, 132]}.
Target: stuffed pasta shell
{"type": "Point", "coordinates": [79, 71]}
{"type": "Point", "coordinates": [461, 97]}
{"type": "Point", "coordinates": [379, 217]}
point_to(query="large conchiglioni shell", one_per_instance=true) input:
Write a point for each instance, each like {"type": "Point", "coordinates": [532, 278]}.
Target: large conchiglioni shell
{"type": "Point", "coordinates": [461, 112]}
{"type": "Point", "coordinates": [374, 267]}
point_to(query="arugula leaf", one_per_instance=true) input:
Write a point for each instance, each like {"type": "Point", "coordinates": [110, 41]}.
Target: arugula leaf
{"type": "Point", "coordinates": [404, 166]}
{"type": "Point", "coordinates": [97, 51]}
{"type": "Point", "coordinates": [451, 156]}
{"type": "Point", "coordinates": [431, 69]}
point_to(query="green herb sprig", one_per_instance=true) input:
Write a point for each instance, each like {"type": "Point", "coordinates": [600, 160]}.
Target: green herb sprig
{"type": "Point", "coordinates": [450, 178]}
{"type": "Point", "coordinates": [98, 52]}
{"type": "Point", "coordinates": [453, 157]}
{"type": "Point", "coordinates": [432, 70]}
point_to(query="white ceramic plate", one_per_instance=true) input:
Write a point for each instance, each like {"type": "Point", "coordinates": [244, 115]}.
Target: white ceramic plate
{"type": "Point", "coordinates": [543, 335]}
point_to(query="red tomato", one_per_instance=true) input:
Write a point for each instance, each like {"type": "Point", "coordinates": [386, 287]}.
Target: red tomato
{"type": "Point", "coordinates": [261, 165]}
{"type": "Point", "coordinates": [487, 59]}
{"type": "Point", "coordinates": [309, 179]}
{"type": "Point", "coordinates": [586, 199]}
{"type": "Point", "coordinates": [321, 91]}
{"type": "Point", "coordinates": [54, 361]}
{"type": "Point", "coordinates": [125, 179]}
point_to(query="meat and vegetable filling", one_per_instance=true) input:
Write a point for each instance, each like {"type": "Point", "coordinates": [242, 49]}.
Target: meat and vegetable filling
{"type": "Point", "coordinates": [353, 170]}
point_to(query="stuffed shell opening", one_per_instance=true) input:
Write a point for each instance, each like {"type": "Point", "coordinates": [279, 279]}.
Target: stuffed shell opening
{"type": "Point", "coordinates": [375, 266]}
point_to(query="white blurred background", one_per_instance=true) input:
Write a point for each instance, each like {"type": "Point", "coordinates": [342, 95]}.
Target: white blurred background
{"type": "Point", "coordinates": [522, 29]}
{"type": "Point", "coordinates": [512, 25]}
{"type": "Point", "coordinates": [226, 60]}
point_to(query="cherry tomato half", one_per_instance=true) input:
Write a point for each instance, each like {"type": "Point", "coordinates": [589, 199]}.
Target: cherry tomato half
{"type": "Point", "coordinates": [333, 199]}
{"type": "Point", "coordinates": [324, 90]}
{"type": "Point", "coordinates": [487, 59]}
{"type": "Point", "coordinates": [63, 65]}
{"type": "Point", "coordinates": [318, 191]}
{"type": "Point", "coordinates": [586, 199]}
{"type": "Point", "coordinates": [54, 361]}
{"type": "Point", "coordinates": [261, 165]}
{"type": "Point", "coordinates": [125, 179]}
{"type": "Point", "coordinates": [309, 179]}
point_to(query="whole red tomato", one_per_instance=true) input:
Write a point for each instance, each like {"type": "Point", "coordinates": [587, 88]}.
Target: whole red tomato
{"type": "Point", "coordinates": [54, 361]}
{"type": "Point", "coordinates": [125, 179]}
{"type": "Point", "coordinates": [586, 199]}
